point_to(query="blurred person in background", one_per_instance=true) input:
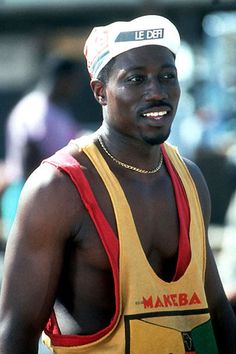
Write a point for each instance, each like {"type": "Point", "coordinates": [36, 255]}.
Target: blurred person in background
{"type": "Point", "coordinates": [227, 259]}
{"type": "Point", "coordinates": [40, 124]}
{"type": "Point", "coordinates": [114, 225]}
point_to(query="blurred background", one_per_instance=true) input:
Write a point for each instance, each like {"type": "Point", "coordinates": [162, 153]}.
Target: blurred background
{"type": "Point", "coordinates": [205, 126]}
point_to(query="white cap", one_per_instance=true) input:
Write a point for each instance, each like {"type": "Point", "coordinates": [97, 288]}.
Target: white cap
{"type": "Point", "coordinates": [106, 42]}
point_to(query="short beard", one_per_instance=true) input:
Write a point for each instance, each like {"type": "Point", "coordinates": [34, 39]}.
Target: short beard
{"type": "Point", "coordinates": [156, 140]}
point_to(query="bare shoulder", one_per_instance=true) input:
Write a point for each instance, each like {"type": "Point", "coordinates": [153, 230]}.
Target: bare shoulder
{"type": "Point", "coordinates": [202, 189]}
{"type": "Point", "coordinates": [49, 201]}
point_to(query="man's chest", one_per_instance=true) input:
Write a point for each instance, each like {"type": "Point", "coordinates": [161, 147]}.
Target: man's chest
{"type": "Point", "coordinates": [154, 212]}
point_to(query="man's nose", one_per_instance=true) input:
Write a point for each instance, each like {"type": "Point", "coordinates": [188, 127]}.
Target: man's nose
{"type": "Point", "coordinates": [155, 90]}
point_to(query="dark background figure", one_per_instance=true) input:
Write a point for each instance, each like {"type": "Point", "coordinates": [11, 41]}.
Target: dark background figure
{"type": "Point", "coordinates": [40, 123]}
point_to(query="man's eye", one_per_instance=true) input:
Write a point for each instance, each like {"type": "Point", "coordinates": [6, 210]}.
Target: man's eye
{"type": "Point", "coordinates": [135, 79]}
{"type": "Point", "coordinates": [169, 76]}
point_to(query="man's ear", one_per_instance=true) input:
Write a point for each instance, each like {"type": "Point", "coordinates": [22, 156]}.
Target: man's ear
{"type": "Point", "coordinates": [98, 88]}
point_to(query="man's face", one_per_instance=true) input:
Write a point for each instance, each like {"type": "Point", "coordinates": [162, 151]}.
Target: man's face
{"type": "Point", "coordinates": [142, 94]}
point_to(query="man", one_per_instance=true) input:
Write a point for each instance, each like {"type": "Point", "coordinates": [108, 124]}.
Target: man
{"type": "Point", "coordinates": [122, 249]}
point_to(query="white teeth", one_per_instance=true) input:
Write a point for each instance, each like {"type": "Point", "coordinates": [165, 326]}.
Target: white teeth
{"type": "Point", "coordinates": [155, 114]}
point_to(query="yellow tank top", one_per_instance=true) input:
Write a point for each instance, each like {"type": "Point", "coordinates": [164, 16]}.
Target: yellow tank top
{"type": "Point", "coordinates": [154, 316]}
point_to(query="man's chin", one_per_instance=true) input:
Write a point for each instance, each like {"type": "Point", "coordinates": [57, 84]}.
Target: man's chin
{"type": "Point", "coordinates": [156, 140]}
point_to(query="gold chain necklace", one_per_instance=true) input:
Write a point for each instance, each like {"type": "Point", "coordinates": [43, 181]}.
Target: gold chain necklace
{"type": "Point", "coordinates": [129, 167]}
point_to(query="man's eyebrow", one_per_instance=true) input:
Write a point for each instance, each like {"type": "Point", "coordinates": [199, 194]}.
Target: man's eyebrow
{"type": "Point", "coordinates": [170, 66]}
{"type": "Point", "coordinates": [142, 67]}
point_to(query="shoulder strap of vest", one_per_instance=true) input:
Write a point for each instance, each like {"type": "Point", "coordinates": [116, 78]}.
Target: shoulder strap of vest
{"type": "Point", "coordinates": [65, 162]}
{"type": "Point", "coordinates": [184, 253]}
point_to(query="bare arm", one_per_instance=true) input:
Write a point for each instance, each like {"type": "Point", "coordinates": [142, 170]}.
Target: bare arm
{"type": "Point", "coordinates": [34, 257]}
{"type": "Point", "coordinates": [223, 318]}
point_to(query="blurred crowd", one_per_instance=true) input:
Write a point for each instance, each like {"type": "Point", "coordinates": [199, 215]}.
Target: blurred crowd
{"type": "Point", "coordinates": [37, 126]}
{"type": "Point", "coordinates": [205, 132]}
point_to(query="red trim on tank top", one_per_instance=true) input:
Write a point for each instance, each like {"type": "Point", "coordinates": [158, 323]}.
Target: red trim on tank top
{"type": "Point", "coordinates": [68, 164]}
{"type": "Point", "coordinates": [184, 251]}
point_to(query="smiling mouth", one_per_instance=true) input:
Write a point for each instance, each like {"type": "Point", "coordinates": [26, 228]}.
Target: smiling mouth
{"type": "Point", "coordinates": [155, 115]}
